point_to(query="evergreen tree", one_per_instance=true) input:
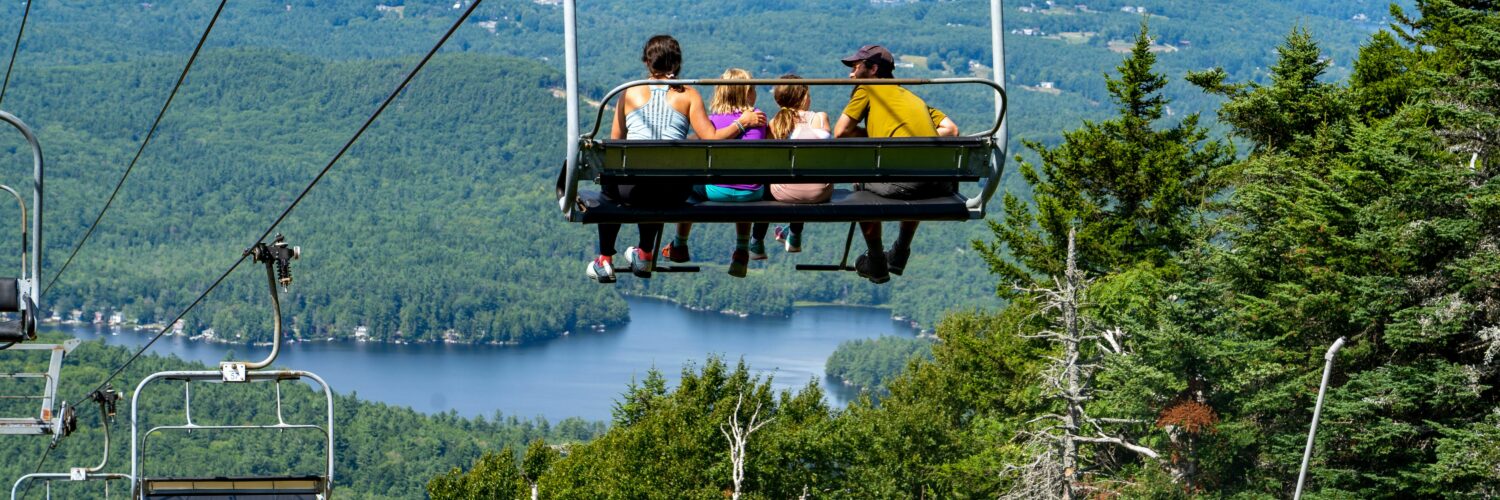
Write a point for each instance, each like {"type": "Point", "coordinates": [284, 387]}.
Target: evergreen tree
{"type": "Point", "coordinates": [1131, 188]}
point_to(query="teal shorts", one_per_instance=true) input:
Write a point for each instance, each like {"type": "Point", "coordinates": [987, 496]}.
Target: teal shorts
{"type": "Point", "coordinates": [712, 192]}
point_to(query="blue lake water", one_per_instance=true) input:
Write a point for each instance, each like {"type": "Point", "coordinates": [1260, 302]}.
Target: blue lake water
{"type": "Point", "coordinates": [577, 375]}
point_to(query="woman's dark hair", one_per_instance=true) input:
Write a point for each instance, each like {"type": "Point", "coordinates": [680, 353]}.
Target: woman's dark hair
{"type": "Point", "coordinates": [663, 57]}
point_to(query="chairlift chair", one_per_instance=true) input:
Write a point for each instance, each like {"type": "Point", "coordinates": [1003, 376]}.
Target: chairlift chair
{"type": "Point", "coordinates": [277, 257]}
{"type": "Point", "coordinates": [20, 295]}
{"type": "Point", "coordinates": [971, 160]}
{"type": "Point", "coordinates": [106, 399]}
{"type": "Point", "coordinates": [50, 418]}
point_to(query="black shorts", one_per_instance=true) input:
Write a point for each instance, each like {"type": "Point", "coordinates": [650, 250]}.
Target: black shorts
{"type": "Point", "coordinates": [909, 190]}
{"type": "Point", "coordinates": [649, 195]}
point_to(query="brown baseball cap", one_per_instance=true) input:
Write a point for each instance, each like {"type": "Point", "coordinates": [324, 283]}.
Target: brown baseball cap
{"type": "Point", "coordinates": [871, 53]}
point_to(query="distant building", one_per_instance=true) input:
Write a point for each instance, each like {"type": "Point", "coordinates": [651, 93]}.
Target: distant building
{"type": "Point", "coordinates": [1047, 85]}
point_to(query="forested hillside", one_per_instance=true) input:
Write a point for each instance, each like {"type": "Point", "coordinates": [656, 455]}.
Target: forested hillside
{"type": "Point", "coordinates": [440, 219]}
{"type": "Point", "coordinates": [382, 451]}
{"type": "Point", "coordinates": [1172, 301]}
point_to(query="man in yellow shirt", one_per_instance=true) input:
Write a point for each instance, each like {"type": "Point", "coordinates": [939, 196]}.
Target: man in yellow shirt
{"type": "Point", "coordinates": [889, 111]}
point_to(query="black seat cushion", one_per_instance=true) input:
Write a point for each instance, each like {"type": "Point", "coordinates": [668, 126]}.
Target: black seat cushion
{"type": "Point", "coordinates": [846, 206]}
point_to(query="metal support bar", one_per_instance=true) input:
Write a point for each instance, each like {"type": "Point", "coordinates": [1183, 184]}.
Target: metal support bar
{"type": "Point", "coordinates": [1312, 431]}
{"type": "Point", "coordinates": [569, 198]}
{"type": "Point", "coordinates": [1001, 132]}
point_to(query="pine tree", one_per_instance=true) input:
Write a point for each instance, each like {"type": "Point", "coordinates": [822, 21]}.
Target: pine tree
{"type": "Point", "coordinates": [1130, 188]}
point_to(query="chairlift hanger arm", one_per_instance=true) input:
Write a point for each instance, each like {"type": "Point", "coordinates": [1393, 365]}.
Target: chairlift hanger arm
{"type": "Point", "coordinates": [1004, 100]}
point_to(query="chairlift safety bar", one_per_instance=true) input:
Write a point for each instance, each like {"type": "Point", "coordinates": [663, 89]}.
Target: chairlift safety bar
{"type": "Point", "coordinates": [1000, 97]}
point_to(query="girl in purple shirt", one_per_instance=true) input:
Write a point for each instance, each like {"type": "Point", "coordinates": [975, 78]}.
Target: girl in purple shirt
{"type": "Point", "coordinates": [728, 104]}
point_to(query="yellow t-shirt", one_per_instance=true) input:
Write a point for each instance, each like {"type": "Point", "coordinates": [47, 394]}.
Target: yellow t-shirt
{"type": "Point", "coordinates": [892, 111]}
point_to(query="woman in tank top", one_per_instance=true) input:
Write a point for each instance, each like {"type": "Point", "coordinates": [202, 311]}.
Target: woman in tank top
{"type": "Point", "coordinates": [656, 112]}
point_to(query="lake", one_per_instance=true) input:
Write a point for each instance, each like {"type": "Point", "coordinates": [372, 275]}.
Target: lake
{"type": "Point", "coordinates": [576, 375]}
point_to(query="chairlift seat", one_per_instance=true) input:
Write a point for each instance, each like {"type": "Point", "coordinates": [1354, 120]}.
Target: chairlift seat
{"type": "Point", "coordinates": [234, 488]}
{"type": "Point", "coordinates": [845, 206]}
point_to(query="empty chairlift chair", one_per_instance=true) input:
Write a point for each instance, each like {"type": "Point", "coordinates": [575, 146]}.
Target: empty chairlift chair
{"type": "Point", "coordinates": [316, 485]}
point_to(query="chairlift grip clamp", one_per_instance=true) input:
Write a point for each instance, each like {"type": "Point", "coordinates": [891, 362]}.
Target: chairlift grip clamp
{"type": "Point", "coordinates": [279, 254]}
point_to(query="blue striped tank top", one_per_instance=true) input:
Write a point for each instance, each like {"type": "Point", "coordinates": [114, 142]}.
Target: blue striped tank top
{"type": "Point", "coordinates": [657, 119]}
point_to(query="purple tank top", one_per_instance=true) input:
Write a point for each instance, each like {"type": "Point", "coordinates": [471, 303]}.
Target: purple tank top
{"type": "Point", "coordinates": [721, 120]}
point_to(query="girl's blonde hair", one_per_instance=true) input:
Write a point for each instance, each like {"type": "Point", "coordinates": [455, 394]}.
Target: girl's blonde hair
{"type": "Point", "coordinates": [792, 98]}
{"type": "Point", "coordinates": [733, 98]}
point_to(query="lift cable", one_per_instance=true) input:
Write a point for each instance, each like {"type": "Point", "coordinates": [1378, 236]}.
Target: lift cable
{"type": "Point", "coordinates": [25, 14]}
{"type": "Point", "coordinates": [329, 166]}
{"type": "Point", "coordinates": [144, 142]}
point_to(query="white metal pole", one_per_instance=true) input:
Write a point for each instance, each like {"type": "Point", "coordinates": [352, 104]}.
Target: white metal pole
{"type": "Point", "coordinates": [1317, 411]}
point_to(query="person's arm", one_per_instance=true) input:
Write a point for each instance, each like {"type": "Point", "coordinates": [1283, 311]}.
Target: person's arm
{"type": "Point", "coordinates": [854, 112]}
{"type": "Point", "coordinates": [945, 126]}
{"type": "Point", "coordinates": [617, 129]}
{"type": "Point", "coordinates": [820, 121]}
{"type": "Point", "coordinates": [698, 118]}
{"type": "Point", "coordinates": [847, 127]}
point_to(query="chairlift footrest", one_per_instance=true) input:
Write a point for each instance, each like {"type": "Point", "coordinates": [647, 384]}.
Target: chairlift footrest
{"type": "Point", "coordinates": [823, 267]}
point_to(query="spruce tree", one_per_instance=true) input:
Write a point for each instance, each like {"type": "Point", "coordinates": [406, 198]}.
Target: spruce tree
{"type": "Point", "coordinates": [1129, 186]}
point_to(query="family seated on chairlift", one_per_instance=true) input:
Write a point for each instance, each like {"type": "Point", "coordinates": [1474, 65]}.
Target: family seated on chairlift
{"type": "Point", "coordinates": [671, 112]}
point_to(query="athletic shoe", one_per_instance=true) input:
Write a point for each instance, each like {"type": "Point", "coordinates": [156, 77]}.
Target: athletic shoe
{"type": "Point", "coordinates": [757, 250]}
{"type": "Point", "coordinates": [676, 253]}
{"type": "Point", "coordinates": [602, 269]}
{"type": "Point", "coordinates": [895, 259]}
{"type": "Point", "coordinates": [739, 264]}
{"type": "Point", "coordinates": [872, 268]}
{"type": "Point", "coordinates": [792, 240]}
{"type": "Point", "coordinates": [641, 263]}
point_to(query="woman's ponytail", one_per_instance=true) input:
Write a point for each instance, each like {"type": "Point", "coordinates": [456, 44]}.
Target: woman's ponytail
{"type": "Point", "coordinates": [790, 98]}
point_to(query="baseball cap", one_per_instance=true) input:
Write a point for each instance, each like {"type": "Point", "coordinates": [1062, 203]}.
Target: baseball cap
{"type": "Point", "coordinates": [870, 52]}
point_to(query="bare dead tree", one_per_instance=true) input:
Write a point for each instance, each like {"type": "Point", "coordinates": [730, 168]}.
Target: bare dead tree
{"type": "Point", "coordinates": [739, 438]}
{"type": "Point", "coordinates": [1057, 472]}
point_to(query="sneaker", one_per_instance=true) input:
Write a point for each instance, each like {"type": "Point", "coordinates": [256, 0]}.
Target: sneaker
{"type": "Point", "coordinates": [676, 253]}
{"type": "Point", "coordinates": [602, 269]}
{"type": "Point", "coordinates": [739, 264]}
{"type": "Point", "coordinates": [757, 250]}
{"type": "Point", "coordinates": [641, 263]}
{"type": "Point", "coordinates": [895, 259]}
{"type": "Point", "coordinates": [793, 241]}
{"type": "Point", "coordinates": [872, 268]}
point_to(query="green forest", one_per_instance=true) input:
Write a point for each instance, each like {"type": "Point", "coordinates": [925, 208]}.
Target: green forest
{"type": "Point", "coordinates": [869, 364]}
{"type": "Point", "coordinates": [1171, 297]}
{"type": "Point", "coordinates": [1145, 315]}
{"type": "Point", "coordinates": [439, 225]}
{"type": "Point", "coordinates": [380, 451]}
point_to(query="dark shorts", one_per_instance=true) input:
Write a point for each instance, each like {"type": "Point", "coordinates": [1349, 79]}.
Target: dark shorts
{"type": "Point", "coordinates": [649, 195]}
{"type": "Point", "coordinates": [909, 190]}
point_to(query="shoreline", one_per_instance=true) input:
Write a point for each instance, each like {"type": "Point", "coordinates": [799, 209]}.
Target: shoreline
{"type": "Point", "coordinates": [599, 327]}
